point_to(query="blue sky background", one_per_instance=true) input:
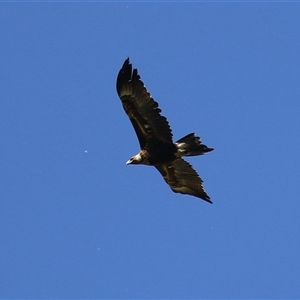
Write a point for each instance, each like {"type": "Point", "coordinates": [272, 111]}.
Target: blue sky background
{"type": "Point", "coordinates": [76, 222]}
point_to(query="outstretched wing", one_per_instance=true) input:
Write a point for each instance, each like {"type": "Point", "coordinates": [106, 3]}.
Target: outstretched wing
{"type": "Point", "coordinates": [182, 178]}
{"type": "Point", "coordinates": [141, 108]}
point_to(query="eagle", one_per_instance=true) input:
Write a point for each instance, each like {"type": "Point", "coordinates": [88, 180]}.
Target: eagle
{"type": "Point", "coordinates": [155, 137]}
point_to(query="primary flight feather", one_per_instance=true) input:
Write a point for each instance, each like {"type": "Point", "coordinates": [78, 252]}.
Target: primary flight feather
{"type": "Point", "coordinates": [155, 137]}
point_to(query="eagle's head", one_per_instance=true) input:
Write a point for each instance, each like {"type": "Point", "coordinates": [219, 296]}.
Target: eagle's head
{"type": "Point", "coordinates": [135, 160]}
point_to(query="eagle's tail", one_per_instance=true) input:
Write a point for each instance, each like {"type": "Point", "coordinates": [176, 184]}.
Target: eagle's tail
{"type": "Point", "coordinates": [191, 145]}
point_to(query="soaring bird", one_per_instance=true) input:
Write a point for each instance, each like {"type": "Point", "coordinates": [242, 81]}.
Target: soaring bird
{"type": "Point", "coordinates": [155, 137]}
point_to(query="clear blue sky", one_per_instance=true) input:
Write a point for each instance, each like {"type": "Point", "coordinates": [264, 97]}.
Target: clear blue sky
{"type": "Point", "coordinates": [76, 222]}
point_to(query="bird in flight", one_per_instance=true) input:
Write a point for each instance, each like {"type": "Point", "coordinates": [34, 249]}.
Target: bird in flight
{"type": "Point", "coordinates": [155, 137]}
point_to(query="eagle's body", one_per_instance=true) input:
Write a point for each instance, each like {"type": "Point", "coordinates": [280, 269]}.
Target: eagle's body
{"type": "Point", "coordinates": [155, 137]}
{"type": "Point", "coordinates": [156, 152]}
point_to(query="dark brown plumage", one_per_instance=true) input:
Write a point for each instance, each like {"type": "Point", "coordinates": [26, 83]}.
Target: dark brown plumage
{"type": "Point", "coordinates": [155, 137]}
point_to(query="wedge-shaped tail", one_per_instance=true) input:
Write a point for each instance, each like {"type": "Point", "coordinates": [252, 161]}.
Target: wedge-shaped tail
{"type": "Point", "coordinates": [191, 145]}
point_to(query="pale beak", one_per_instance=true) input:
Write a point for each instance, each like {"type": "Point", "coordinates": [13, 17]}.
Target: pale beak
{"type": "Point", "coordinates": [128, 162]}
